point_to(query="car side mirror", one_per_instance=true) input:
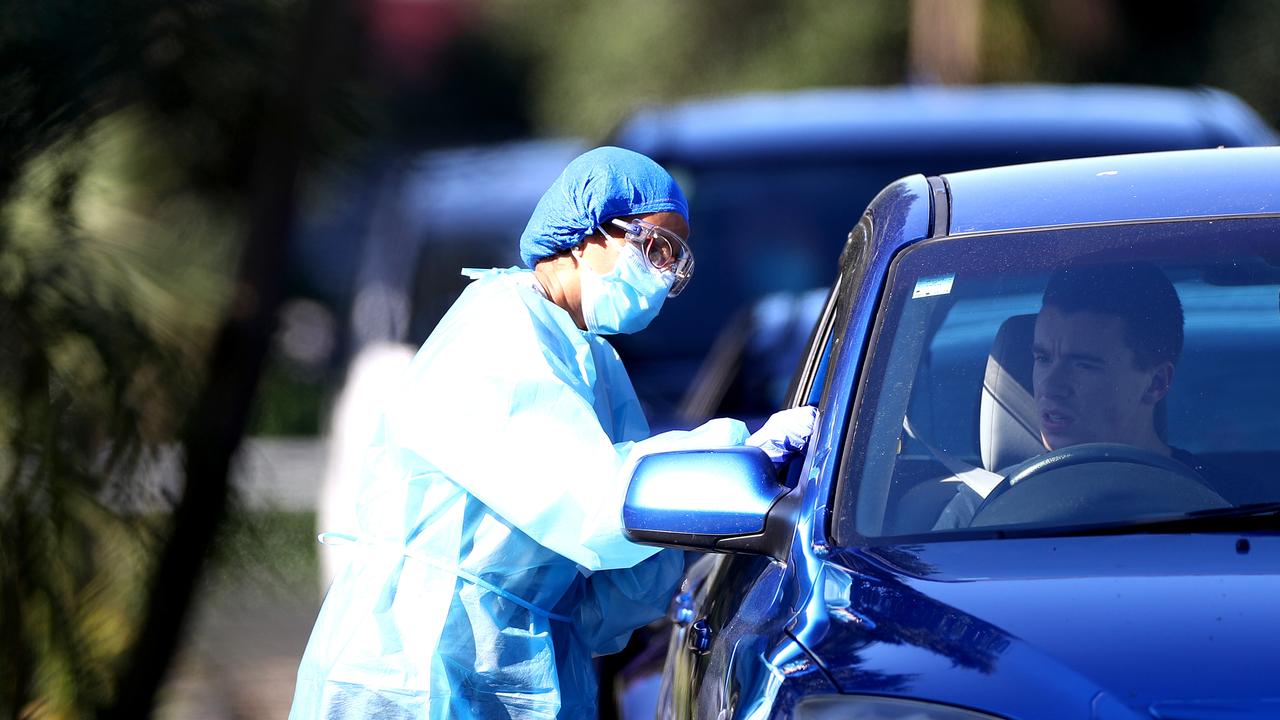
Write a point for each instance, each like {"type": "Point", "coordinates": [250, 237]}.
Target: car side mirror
{"type": "Point", "coordinates": [722, 500]}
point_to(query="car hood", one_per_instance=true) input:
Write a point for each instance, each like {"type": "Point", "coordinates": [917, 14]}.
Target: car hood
{"type": "Point", "coordinates": [1175, 626]}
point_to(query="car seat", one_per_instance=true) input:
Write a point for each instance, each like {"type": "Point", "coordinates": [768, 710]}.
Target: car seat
{"type": "Point", "coordinates": [1008, 426]}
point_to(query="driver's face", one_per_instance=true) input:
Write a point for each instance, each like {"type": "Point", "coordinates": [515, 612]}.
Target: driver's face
{"type": "Point", "coordinates": [1087, 388]}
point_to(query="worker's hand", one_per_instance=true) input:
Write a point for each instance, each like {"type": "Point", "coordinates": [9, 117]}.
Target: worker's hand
{"type": "Point", "coordinates": [785, 432]}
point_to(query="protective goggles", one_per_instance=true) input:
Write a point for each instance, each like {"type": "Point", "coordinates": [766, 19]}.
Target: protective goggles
{"type": "Point", "coordinates": [662, 249]}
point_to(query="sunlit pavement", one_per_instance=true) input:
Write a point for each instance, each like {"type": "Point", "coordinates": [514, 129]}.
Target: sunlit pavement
{"type": "Point", "coordinates": [241, 657]}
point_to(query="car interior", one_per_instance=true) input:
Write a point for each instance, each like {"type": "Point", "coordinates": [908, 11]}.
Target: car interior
{"type": "Point", "coordinates": [971, 413]}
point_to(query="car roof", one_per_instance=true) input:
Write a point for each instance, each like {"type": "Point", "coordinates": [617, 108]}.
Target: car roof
{"type": "Point", "coordinates": [922, 119]}
{"type": "Point", "coordinates": [1182, 184]}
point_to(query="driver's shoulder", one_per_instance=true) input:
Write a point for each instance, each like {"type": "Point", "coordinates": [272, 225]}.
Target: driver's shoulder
{"type": "Point", "coordinates": [1188, 459]}
{"type": "Point", "coordinates": [1213, 475]}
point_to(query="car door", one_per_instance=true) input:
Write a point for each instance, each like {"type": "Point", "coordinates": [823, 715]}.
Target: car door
{"type": "Point", "coordinates": [713, 661]}
{"type": "Point", "coordinates": [727, 615]}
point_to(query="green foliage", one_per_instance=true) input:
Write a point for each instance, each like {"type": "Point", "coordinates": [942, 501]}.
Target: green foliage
{"type": "Point", "coordinates": [590, 63]}
{"type": "Point", "coordinates": [1245, 55]}
{"type": "Point", "coordinates": [1230, 45]}
{"type": "Point", "coordinates": [71, 611]}
{"type": "Point", "coordinates": [288, 403]}
{"type": "Point", "coordinates": [126, 152]}
{"type": "Point", "coordinates": [594, 62]}
{"type": "Point", "coordinates": [1008, 47]}
{"type": "Point", "coordinates": [103, 338]}
{"type": "Point", "coordinates": [268, 552]}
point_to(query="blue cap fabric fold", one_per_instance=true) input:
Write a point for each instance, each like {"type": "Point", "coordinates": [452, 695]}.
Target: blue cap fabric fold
{"type": "Point", "coordinates": [598, 185]}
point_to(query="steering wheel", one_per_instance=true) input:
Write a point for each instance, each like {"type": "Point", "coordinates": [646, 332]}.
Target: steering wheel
{"type": "Point", "coordinates": [1095, 482]}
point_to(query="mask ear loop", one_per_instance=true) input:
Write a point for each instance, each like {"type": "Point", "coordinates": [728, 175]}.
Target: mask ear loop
{"type": "Point", "coordinates": [578, 249]}
{"type": "Point", "coordinates": [627, 239]}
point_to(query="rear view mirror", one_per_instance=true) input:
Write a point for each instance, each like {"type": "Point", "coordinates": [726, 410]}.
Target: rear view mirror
{"type": "Point", "coordinates": [709, 500]}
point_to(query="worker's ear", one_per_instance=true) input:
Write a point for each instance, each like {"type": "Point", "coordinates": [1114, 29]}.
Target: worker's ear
{"type": "Point", "coordinates": [1161, 381]}
{"type": "Point", "coordinates": [580, 248]}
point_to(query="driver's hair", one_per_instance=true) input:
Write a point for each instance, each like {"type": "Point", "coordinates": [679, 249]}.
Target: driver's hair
{"type": "Point", "coordinates": [1136, 292]}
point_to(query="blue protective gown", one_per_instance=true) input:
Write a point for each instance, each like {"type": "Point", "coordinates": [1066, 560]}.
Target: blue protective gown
{"type": "Point", "coordinates": [491, 563]}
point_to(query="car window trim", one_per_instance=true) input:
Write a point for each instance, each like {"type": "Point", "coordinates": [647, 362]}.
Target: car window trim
{"type": "Point", "coordinates": [852, 268]}
{"type": "Point", "coordinates": [1109, 223]}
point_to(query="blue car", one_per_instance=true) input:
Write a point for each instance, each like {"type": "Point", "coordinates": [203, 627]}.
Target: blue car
{"type": "Point", "coordinates": [1044, 478]}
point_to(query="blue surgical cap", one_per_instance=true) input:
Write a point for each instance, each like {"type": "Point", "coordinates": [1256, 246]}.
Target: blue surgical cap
{"type": "Point", "coordinates": [598, 185]}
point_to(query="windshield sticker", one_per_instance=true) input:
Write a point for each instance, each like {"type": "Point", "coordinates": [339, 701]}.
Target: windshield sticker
{"type": "Point", "coordinates": [931, 286]}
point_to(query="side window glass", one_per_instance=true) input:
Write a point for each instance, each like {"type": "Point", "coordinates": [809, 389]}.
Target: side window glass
{"type": "Point", "coordinates": [812, 375]}
{"type": "Point", "coordinates": [816, 375]}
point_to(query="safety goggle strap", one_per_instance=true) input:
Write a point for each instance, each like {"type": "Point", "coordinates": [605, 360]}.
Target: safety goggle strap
{"type": "Point", "coordinates": [644, 234]}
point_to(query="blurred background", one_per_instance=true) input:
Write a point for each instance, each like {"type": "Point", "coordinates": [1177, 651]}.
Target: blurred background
{"type": "Point", "coordinates": [225, 224]}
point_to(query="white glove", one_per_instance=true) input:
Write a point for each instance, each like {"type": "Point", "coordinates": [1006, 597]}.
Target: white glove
{"type": "Point", "coordinates": [785, 432]}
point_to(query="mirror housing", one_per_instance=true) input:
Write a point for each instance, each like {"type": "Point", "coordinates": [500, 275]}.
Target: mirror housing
{"type": "Point", "coordinates": [721, 500]}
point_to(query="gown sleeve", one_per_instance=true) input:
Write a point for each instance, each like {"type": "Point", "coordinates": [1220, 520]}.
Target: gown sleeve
{"type": "Point", "coordinates": [619, 601]}
{"type": "Point", "coordinates": [501, 402]}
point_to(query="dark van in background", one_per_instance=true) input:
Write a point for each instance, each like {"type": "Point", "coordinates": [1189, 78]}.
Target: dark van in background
{"type": "Point", "coordinates": [775, 181]}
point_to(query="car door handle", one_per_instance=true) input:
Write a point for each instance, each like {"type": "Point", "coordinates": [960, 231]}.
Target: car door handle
{"type": "Point", "coordinates": [699, 637]}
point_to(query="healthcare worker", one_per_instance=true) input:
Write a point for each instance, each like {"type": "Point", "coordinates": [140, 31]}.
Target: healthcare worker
{"type": "Point", "coordinates": [490, 565]}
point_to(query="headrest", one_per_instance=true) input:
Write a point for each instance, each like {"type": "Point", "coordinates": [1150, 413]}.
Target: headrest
{"type": "Point", "coordinates": [1008, 424]}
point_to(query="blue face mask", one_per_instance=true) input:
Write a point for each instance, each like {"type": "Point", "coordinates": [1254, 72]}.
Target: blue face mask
{"type": "Point", "coordinates": [625, 299]}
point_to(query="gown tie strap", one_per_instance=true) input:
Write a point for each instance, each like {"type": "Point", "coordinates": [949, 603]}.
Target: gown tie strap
{"type": "Point", "coordinates": [338, 539]}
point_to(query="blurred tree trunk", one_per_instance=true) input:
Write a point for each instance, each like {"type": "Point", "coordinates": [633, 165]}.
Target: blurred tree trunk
{"type": "Point", "coordinates": [221, 413]}
{"type": "Point", "coordinates": [945, 41]}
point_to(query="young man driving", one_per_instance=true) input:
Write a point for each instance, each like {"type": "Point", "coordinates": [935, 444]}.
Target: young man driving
{"type": "Point", "coordinates": [1107, 340]}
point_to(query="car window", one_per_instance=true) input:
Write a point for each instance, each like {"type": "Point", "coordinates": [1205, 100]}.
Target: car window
{"type": "Point", "coordinates": [1069, 378]}
{"type": "Point", "coordinates": [811, 376]}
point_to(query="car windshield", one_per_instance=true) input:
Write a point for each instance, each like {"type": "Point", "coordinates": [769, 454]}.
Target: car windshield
{"type": "Point", "coordinates": [1058, 380]}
